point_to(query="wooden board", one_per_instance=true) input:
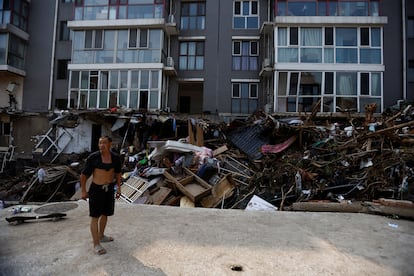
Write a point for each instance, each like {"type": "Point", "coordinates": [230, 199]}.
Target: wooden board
{"type": "Point", "coordinates": [192, 186]}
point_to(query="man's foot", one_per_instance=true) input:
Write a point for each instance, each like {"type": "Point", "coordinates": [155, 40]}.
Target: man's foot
{"type": "Point", "coordinates": [106, 239]}
{"type": "Point", "coordinates": [99, 250]}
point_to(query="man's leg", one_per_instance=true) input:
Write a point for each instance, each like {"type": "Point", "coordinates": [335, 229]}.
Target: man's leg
{"type": "Point", "coordinates": [94, 231]}
{"type": "Point", "coordinates": [102, 224]}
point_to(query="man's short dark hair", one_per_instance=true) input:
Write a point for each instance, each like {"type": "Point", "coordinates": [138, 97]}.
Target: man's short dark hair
{"type": "Point", "coordinates": [107, 137]}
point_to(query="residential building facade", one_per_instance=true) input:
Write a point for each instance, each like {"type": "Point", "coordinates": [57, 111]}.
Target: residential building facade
{"type": "Point", "coordinates": [228, 58]}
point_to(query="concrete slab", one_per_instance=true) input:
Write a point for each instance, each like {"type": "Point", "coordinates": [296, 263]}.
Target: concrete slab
{"type": "Point", "coordinates": [157, 240]}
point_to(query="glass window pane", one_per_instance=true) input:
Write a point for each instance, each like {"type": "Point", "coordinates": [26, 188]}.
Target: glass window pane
{"type": "Point", "coordinates": [134, 79]}
{"type": "Point", "coordinates": [252, 22]}
{"type": "Point", "coordinates": [93, 99]}
{"type": "Point", "coordinates": [113, 79]}
{"type": "Point", "coordinates": [328, 55]}
{"type": "Point", "coordinates": [236, 90]}
{"type": "Point", "coordinates": [74, 83]}
{"type": "Point", "coordinates": [329, 78]}
{"type": "Point", "coordinates": [370, 56]}
{"type": "Point", "coordinates": [239, 22]}
{"type": "Point", "coordinates": [123, 39]}
{"type": "Point", "coordinates": [282, 36]}
{"type": "Point", "coordinates": [183, 48]}
{"type": "Point", "coordinates": [109, 40]}
{"type": "Point", "coordinates": [364, 84]}
{"type": "Point", "coordinates": [302, 8]}
{"type": "Point", "coordinates": [281, 8]}
{"type": "Point", "coordinates": [293, 36]}
{"type": "Point", "coordinates": [199, 63]}
{"type": "Point", "coordinates": [103, 99]}
{"type": "Point", "coordinates": [311, 36]}
{"type": "Point", "coordinates": [237, 7]}
{"type": "Point", "coordinates": [144, 79]}
{"type": "Point", "coordinates": [153, 99]}
{"type": "Point", "coordinates": [183, 63]}
{"type": "Point", "coordinates": [375, 37]}
{"type": "Point", "coordinates": [123, 79]}
{"type": "Point", "coordinates": [293, 85]}
{"type": "Point", "coordinates": [311, 55]}
{"type": "Point", "coordinates": [365, 36]}
{"type": "Point", "coordinates": [154, 79]}
{"type": "Point", "coordinates": [287, 55]}
{"type": "Point", "coordinates": [123, 98]}
{"type": "Point", "coordinates": [133, 99]}
{"type": "Point", "coordinates": [246, 8]}
{"type": "Point", "coordinates": [133, 38]}
{"type": "Point", "coordinates": [328, 36]}
{"type": "Point", "coordinates": [376, 84]}
{"type": "Point", "coordinates": [346, 37]}
{"type": "Point", "coordinates": [282, 85]}
{"type": "Point", "coordinates": [346, 55]}
{"type": "Point", "coordinates": [346, 83]}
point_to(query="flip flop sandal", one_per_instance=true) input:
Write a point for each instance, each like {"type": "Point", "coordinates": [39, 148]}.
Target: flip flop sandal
{"type": "Point", "coordinates": [107, 239]}
{"type": "Point", "coordinates": [99, 250]}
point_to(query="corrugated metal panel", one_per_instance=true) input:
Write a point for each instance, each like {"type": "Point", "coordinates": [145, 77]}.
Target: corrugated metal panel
{"type": "Point", "coordinates": [250, 140]}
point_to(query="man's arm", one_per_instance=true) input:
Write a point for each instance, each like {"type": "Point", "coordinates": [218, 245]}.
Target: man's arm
{"type": "Point", "coordinates": [83, 179]}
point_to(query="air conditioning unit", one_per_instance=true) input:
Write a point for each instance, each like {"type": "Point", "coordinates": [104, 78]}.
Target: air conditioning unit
{"type": "Point", "coordinates": [171, 18]}
{"type": "Point", "coordinates": [170, 62]}
{"type": "Point", "coordinates": [266, 62]}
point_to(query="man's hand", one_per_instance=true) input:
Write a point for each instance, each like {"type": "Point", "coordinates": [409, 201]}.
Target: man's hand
{"type": "Point", "coordinates": [84, 195]}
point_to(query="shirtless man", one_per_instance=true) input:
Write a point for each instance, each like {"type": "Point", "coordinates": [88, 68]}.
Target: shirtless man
{"type": "Point", "coordinates": [105, 168]}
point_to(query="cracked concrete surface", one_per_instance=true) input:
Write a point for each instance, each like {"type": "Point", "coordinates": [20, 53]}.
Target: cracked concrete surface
{"type": "Point", "coordinates": [161, 240]}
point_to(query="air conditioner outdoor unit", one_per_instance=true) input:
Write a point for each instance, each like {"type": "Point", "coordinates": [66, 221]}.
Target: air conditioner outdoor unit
{"type": "Point", "coordinates": [266, 62]}
{"type": "Point", "coordinates": [170, 62]}
{"type": "Point", "coordinates": [171, 18]}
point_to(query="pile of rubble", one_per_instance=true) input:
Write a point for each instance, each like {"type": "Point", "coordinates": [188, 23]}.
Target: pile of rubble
{"type": "Point", "coordinates": [349, 163]}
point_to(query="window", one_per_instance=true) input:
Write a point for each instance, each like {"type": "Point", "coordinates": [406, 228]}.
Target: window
{"type": "Point", "coordinates": [244, 97]}
{"type": "Point", "coordinates": [245, 55]}
{"type": "Point", "coordinates": [299, 91]}
{"type": "Point", "coordinates": [245, 15]}
{"type": "Point", "coordinates": [118, 9]}
{"type": "Point", "coordinates": [62, 70]}
{"type": "Point", "coordinates": [329, 45]}
{"type": "Point", "coordinates": [191, 56]}
{"type": "Point", "coordinates": [117, 46]}
{"type": "Point", "coordinates": [410, 27]}
{"type": "Point", "coordinates": [93, 39]}
{"type": "Point", "coordinates": [193, 16]}
{"type": "Point", "coordinates": [64, 33]}
{"type": "Point", "coordinates": [105, 89]}
{"type": "Point", "coordinates": [4, 128]}
{"type": "Point", "coordinates": [327, 8]}
{"type": "Point", "coordinates": [138, 38]}
{"type": "Point", "coordinates": [410, 71]}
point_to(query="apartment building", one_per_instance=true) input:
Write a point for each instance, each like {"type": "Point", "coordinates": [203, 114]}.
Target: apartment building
{"type": "Point", "coordinates": [228, 58]}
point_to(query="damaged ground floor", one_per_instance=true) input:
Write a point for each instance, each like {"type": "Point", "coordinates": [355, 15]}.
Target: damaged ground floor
{"type": "Point", "coordinates": [348, 162]}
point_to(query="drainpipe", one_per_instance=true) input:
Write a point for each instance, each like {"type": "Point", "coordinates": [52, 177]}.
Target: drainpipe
{"type": "Point", "coordinates": [52, 59]}
{"type": "Point", "coordinates": [404, 42]}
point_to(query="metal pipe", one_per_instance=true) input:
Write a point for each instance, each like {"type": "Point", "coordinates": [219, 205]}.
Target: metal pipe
{"type": "Point", "coordinates": [52, 59]}
{"type": "Point", "coordinates": [404, 42]}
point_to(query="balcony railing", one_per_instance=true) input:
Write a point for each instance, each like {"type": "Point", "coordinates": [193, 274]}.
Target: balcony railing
{"type": "Point", "coordinates": [111, 12]}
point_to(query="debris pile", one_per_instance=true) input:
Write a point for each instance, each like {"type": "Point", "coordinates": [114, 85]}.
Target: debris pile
{"type": "Point", "coordinates": [284, 162]}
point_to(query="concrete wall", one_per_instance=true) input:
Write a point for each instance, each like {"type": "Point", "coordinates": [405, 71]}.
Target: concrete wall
{"type": "Point", "coordinates": [410, 49]}
{"type": "Point", "coordinates": [38, 62]}
{"type": "Point", "coordinates": [63, 52]}
{"type": "Point", "coordinates": [393, 89]}
{"type": "Point", "coordinates": [24, 128]}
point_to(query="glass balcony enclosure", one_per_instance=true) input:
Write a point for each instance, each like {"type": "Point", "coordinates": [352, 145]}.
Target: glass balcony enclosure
{"type": "Point", "coordinates": [118, 9]}
{"type": "Point", "coordinates": [327, 8]}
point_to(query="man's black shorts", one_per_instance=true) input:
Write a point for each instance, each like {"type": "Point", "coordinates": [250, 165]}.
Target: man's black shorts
{"type": "Point", "coordinates": [101, 200]}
